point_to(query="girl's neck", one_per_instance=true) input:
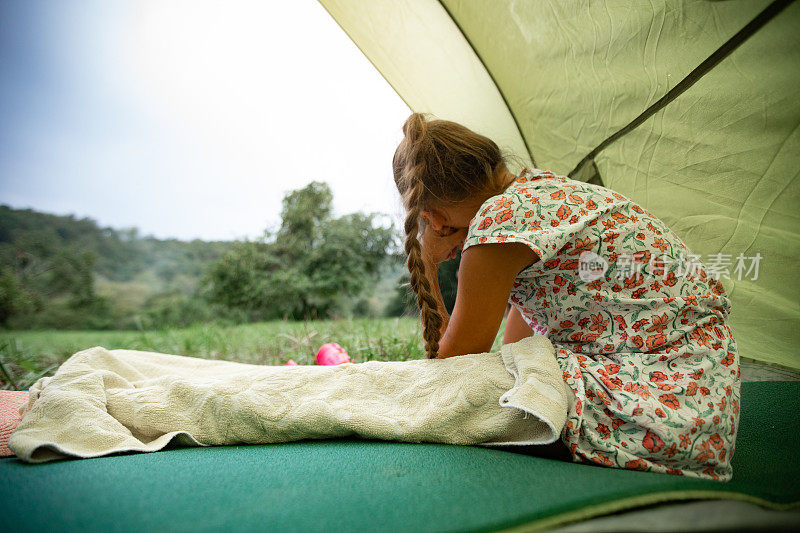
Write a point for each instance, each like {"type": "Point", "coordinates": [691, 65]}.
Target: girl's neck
{"type": "Point", "coordinates": [505, 181]}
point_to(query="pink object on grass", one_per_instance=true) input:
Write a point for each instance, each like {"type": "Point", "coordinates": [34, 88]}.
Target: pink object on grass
{"type": "Point", "coordinates": [332, 354]}
{"type": "Point", "coordinates": [290, 362]}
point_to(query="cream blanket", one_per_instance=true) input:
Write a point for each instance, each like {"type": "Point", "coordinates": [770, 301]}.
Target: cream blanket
{"type": "Point", "coordinates": [104, 401]}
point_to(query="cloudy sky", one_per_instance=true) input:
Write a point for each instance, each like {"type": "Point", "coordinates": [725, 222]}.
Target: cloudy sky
{"type": "Point", "coordinates": [189, 119]}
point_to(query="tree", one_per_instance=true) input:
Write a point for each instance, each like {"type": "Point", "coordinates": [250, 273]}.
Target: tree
{"type": "Point", "coordinates": [404, 302]}
{"type": "Point", "coordinates": [14, 299]}
{"type": "Point", "coordinates": [309, 268]}
{"type": "Point", "coordinates": [303, 214]}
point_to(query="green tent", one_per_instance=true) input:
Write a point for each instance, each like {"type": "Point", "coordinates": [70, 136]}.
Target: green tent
{"type": "Point", "coordinates": [716, 157]}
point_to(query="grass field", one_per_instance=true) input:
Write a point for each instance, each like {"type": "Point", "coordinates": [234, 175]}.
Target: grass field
{"type": "Point", "coordinates": [25, 356]}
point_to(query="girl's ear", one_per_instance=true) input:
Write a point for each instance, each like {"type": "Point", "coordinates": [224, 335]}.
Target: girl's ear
{"type": "Point", "coordinates": [435, 218]}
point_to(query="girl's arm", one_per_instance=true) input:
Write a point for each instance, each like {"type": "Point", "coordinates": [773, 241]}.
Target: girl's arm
{"type": "Point", "coordinates": [516, 327]}
{"type": "Point", "coordinates": [485, 279]}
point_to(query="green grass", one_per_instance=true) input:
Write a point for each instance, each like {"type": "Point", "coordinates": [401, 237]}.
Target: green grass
{"type": "Point", "coordinates": [26, 356]}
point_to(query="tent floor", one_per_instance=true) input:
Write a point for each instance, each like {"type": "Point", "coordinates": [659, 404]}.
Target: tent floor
{"type": "Point", "coordinates": [361, 485]}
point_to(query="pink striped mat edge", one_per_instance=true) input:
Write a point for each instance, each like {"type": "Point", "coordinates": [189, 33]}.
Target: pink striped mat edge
{"type": "Point", "coordinates": [10, 402]}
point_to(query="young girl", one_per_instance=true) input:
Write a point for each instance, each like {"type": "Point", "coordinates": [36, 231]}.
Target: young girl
{"type": "Point", "coordinates": [640, 330]}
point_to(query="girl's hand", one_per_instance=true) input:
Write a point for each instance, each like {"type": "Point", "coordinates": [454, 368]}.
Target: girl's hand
{"type": "Point", "coordinates": [441, 245]}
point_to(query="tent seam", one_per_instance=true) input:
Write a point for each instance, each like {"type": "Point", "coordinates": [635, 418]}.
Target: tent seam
{"type": "Point", "coordinates": [706, 66]}
{"type": "Point", "coordinates": [494, 82]}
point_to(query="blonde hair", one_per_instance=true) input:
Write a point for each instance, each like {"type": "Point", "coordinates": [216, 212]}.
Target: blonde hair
{"type": "Point", "coordinates": [440, 162]}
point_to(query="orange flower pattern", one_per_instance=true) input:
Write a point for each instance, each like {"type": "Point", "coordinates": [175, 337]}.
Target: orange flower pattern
{"type": "Point", "coordinates": [649, 356]}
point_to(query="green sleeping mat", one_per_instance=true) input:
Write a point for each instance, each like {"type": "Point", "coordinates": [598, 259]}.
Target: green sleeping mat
{"type": "Point", "coordinates": [358, 485]}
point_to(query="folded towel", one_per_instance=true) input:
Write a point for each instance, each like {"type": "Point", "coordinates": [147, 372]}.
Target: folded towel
{"type": "Point", "coordinates": [105, 401]}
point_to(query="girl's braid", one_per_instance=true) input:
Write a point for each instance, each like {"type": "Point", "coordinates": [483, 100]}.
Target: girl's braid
{"type": "Point", "coordinates": [431, 319]}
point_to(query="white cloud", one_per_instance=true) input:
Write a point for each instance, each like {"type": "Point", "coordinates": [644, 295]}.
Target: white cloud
{"type": "Point", "coordinates": [192, 119]}
{"type": "Point", "coordinates": [275, 95]}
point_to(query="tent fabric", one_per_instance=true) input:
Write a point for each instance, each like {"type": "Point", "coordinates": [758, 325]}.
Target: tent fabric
{"type": "Point", "coordinates": [431, 65]}
{"type": "Point", "coordinates": [550, 80]}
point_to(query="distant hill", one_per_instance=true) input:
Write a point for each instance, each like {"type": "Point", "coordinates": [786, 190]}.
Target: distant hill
{"type": "Point", "coordinates": [59, 260]}
{"type": "Point", "coordinates": [63, 272]}
{"type": "Point", "coordinates": [121, 255]}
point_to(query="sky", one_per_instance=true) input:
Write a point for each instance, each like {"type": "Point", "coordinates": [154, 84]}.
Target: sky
{"type": "Point", "coordinates": [189, 119]}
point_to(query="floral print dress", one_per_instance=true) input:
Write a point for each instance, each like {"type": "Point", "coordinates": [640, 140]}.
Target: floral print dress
{"type": "Point", "coordinates": [640, 330]}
